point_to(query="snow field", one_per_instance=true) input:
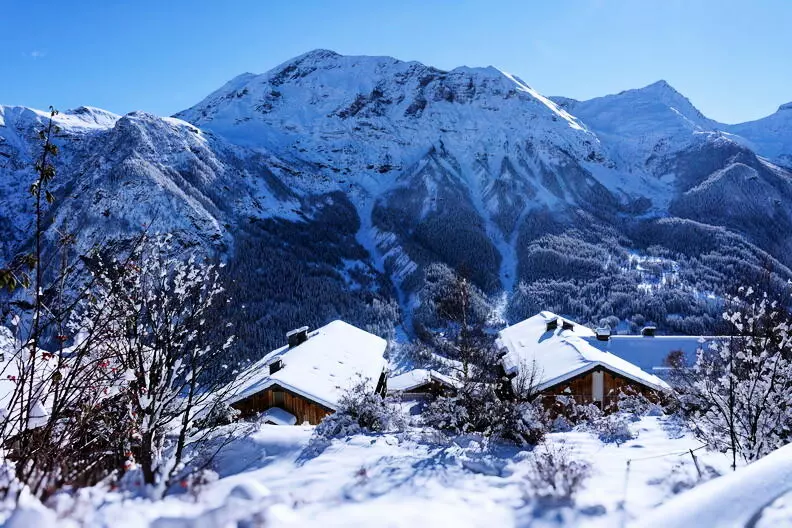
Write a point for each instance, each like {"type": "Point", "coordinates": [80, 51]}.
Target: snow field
{"type": "Point", "coordinates": [409, 479]}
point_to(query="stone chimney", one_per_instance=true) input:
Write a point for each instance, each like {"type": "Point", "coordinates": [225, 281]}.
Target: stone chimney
{"type": "Point", "coordinates": [603, 333]}
{"type": "Point", "coordinates": [297, 337]}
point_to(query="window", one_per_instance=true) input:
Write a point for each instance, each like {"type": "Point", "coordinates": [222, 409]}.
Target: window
{"type": "Point", "coordinates": [278, 398]}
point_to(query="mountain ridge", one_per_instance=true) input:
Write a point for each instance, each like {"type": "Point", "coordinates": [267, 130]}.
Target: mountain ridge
{"type": "Point", "coordinates": [414, 166]}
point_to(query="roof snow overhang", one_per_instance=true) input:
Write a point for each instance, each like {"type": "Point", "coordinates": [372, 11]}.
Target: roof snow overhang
{"type": "Point", "coordinates": [662, 386]}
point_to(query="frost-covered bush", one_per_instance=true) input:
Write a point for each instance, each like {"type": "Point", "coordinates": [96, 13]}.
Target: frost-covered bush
{"type": "Point", "coordinates": [219, 414]}
{"type": "Point", "coordinates": [614, 427]}
{"type": "Point", "coordinates": [568, 413]}
{"type": "Point", "coordinates": [684, 476]}
{"type": "Point", "coordinates": [554, 475]}
{"type": "Point", "coordinates": [475, 408]}
{"type": "Point", "coordinates": [524, 423]}
{"type": "Point", "coordinates": [560, 424]}
{"type": "Point", "coordinates": [478, 408]}
{"type": "Point", "coordinates": [737, 396]}
{"type": "Point", "coordinates": [609, 427]}
{"type": "Point", "coordinates": [446, 414]}
{"type": "Point", "coordinates": [360, 410]}
{"type": "Point", "coordinates": [636, 404]}
{"type": "Point", "coordinates": [196, 482]}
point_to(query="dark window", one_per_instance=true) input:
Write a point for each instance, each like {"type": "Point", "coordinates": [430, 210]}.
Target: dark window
{"type": "Point", "coordinates": [278, 398]}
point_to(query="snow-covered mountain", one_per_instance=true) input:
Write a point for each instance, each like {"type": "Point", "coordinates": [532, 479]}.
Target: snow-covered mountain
{"type": "Point", "coordinates": [330, 182]}
{"type": "Point", "coordinates": [708, 171]}
{"type": "Point", "coordinates": [770, 136]}
{"type": "Point", "coordinates": [474, 142]}
{"type": "Point", "coordinates": [642, 126]}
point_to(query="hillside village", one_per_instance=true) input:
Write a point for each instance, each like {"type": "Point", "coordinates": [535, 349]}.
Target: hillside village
{"type": "Point", "coordinates": [306, 377]}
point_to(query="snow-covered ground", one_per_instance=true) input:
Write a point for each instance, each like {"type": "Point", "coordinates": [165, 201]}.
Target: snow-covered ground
{"type": "Point", "coordinates": [756, 496]}
{"type": "Point", "coordinates": [414, 478]}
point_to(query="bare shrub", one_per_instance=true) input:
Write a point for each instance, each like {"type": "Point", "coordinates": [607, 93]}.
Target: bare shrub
{"type": "Point", "coordinates": [554, 475]}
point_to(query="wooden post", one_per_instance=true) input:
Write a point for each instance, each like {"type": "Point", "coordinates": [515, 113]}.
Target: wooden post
{"type": "Point", "coordinates": [695, 461]}
{"type": "Point", "coordinates": [623, 504]}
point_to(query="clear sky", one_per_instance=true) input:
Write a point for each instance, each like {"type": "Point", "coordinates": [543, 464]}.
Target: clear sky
{"type": "Point", "coordinates": [732, 59]}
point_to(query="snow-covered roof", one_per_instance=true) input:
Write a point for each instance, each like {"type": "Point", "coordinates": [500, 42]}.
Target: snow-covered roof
{"type": "Point", "coordinates": [416, 378]}
{"type": "Point", "coordinates": [560, 354]}
{"type": "Point", "coordinates": [278, 416]}
{"type": "Point", "coordinates": [330, 362]}
{"type": "Point", "coordinates": [650, 353]}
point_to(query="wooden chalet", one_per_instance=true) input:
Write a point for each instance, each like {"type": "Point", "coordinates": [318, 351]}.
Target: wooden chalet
{"type": "Point", "coordinates": [303, 381]}
{"type": "Point", "coordinates": [560, 358]}
{"type": "Point", "coordinates": [422, 384]}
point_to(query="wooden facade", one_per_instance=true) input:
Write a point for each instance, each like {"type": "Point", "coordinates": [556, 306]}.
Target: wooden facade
{"type": "Point", "coordinates": [431, 388]}
{"type": "Point", "coordinates": [304, 409]}
{"type": "Point", "coordinates": [581, 388]}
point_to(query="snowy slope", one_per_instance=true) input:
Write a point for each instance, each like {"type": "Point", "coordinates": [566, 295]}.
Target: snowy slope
{"type": "Point", "coordinates": [375, 121]}
{"type": "Point", "coordinates": [771, 136]}
{"type": "Point", "coordinates": [693, 167]}
{"type": "Point", "coordinates": [362, 111]}
{"type": "Point", "coordinates": [118, 175]}
{"type": "Point", "coordinates": [638, 123]}
{"type": "Point", "coordinates": [643, 124]}
{"type": "Point", "coordinates": [742, 498]}
{"type": "Point", "coordinates": [270, 475]}
{"type": "Point", "coordinates": [19, 128]}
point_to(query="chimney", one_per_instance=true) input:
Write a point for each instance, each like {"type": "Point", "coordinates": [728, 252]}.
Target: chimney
{"type": "Point", "coordinates": [648, 331]}
{"type": "Point", "coordinates": [603, 333]}
{"type": "Point", "coordinates": [567, 325]}
{"type": "Point", "coordinates": [297, 337]}
{"type": "Point", "coordinates": [275, 366]}
{"type": "Point", "coordinates": [552, 324]}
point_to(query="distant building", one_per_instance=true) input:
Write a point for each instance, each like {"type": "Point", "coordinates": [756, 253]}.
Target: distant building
{"type": "Point", "coordinates": [562, 359]}
{"type": "Point", "coordinates": [304, 380]}
{"type": "Point", "coordinates": [650, 352]}
{"type": "Point", "coordinates": [422, 383]}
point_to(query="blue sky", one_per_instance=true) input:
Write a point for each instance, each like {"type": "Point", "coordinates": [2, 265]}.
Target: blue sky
{"type": "Point", "coordinates": [730, 58]}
